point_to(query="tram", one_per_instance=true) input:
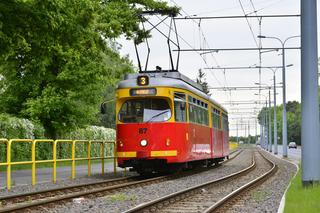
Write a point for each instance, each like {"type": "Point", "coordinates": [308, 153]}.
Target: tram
{"type": "Point", "coordinates": [166, 122]}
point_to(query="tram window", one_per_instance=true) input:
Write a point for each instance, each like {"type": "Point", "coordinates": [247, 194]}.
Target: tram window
{"type": "Point", "coordinates": [191, 113]}
{"type": "Point", "coordinates": [180, 110]}
{"type": "Point", "coordinates": [225, 122]}
{"type": "Point", "coordinates": [144, 110]}
{"type": "Point", "coordinates": [215, 116]}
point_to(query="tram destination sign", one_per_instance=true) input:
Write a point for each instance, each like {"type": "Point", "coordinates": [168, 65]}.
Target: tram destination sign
{"type": "Point", "coordinates": [142, 92]}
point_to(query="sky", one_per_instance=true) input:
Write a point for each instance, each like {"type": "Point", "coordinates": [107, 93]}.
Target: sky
{"type": "Point", "coordinates": [230, 33]}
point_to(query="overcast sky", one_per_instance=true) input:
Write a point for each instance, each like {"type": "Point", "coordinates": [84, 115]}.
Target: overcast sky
{"type": "Point", "coordinates": [230, 33]}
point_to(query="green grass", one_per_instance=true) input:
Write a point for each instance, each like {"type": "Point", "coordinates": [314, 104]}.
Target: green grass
{"type": "Point", "coordinates": [119, 197]}
{"type": "Point", "coordinates": [299, 199]}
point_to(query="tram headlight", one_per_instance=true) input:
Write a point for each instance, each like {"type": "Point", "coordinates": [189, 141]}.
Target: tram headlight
{"type": "Point", "coordinates": [168, 142]}
{"type": "Point", "coordinates": [143, 142]}
{"type": "Point", "coordinates": [120, 143]}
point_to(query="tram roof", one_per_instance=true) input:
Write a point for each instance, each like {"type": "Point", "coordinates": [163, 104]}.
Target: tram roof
{"type": "Point", "coordinates": [167, 79]}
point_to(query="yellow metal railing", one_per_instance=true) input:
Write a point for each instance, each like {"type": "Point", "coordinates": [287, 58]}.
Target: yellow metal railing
{"type": "Point", "coordinates": [233, 145]}
{"type": "Point", "coordinates": [55, 160]}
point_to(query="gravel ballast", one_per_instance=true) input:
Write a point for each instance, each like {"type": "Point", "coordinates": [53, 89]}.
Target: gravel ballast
{"type": "Point", "coordinates": [129, 198]}
{"type": "Point", "coordinates": [267, 197]}
{"type": "Point", "coordinates": [66, 182]}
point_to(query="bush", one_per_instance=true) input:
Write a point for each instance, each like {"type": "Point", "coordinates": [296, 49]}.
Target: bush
{"type": "Point", "coordinates": [12, 127]}
{"type": "Point", "coordinates": [89, 133]}
{"type": "Point", "coordinates": [92, 133]}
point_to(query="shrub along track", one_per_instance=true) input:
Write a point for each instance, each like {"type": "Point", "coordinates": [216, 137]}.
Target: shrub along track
{"type": "Point", "coordinates": [27, 201]}
{"type": "Point", "coordinates": [213, 195]}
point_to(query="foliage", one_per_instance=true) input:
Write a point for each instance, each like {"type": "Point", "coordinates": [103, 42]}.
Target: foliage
{"type": "Point", "coordinates": [202, 81]}
{"type": "Point", "coordinates": [12, 127]}
{"type": "Point", "coordinates": [56, 62]}
{"type": "Point", "coordinates": [92, 133]}
{"type": "Point", "coordinates": [293, 121]}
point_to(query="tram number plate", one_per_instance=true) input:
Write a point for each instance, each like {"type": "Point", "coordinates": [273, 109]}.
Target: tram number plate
{"type": "Point", "coordinates": [143, 130]}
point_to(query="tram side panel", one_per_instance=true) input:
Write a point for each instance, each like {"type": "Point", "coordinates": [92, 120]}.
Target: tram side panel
{"type": "Point", "coordinates": [164, 141]}
{"type": "Point", "coordinates": [218, 143]}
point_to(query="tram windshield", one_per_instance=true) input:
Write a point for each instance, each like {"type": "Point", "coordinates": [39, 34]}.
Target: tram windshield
{"type": "Point", "coordinates": [144, 110]}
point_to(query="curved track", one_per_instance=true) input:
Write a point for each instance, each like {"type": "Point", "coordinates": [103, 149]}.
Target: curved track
{"type": "Point", "coordinates": [210, 196]}
{"type": "Point", "coordinates": [14, 203]}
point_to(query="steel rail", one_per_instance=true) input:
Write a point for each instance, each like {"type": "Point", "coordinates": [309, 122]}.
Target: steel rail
{"type": "Point", "coordinates": [243, 188]}
{"type": "Point", "coordinates": [27, 195]}
{"type": "Point", "coordinates": [22, 206]}
{"type": "Point", "coordinates": [50, 199]}
{"type": "Point", "coordinates": [152, 203]}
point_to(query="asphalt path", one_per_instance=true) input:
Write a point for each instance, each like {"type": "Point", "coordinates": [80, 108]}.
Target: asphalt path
{"type": "Point", "coordinates": [293, 154]}
{"type": "Point", "coordinates": [23, 177]}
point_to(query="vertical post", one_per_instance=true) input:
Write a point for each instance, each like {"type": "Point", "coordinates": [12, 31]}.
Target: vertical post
{"type": "Point", "coordinates": [266, 126]}
{"type": "Point", "coordinates": [261, 133]}
{"type": "Point", "coordinates": [73, 169]}
{"type": "Point", "coordinates": [284, 110]}
{"type": "Point", "coordinates": [89, 158]}
{"type": "Point", "coordinates": [270, 131]}
{"type": "Point", "coordinates": [237, 133]}
{"type": "Point", "coordinates": [115, 158]}
{"type": "Point", "coordinates": [33, 159]}
{"type": "Point", "coordinates": [309, 94]}
{"type": "Point", "coordinates": [9, 165]}
{"type": "Point", "coordinates": [54, 153]}
{"type": "Point", "coordinates": [249, 131]}
{"type": "Point", "coordinates": [275, 139]}
{"type": "Point", "coordinates": [102, 158]}
{"type": "Point", "coordinates": [245, 130]}
{"type": "Point", "coordinates": [255, 125]}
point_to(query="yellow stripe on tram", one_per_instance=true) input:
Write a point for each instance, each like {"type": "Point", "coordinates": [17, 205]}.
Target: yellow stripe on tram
{"type": "Point", "coordinates": [167, 153]}
{"type": "Point", "coordinates": [127, 154]}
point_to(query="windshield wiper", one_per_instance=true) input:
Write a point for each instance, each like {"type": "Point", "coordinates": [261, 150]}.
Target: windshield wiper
{"type": "Point", "coordinates": [156, 115]}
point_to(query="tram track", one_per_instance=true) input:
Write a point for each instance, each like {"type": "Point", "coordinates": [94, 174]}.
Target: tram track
{"type": "Point", "coordinates": [14, 203]}
{"type": "Point", "coordinates": [212, 195]}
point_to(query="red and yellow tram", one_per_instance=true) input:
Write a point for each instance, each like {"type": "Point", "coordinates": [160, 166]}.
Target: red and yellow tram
{"type": "Point", "coordinates": [165, 121]}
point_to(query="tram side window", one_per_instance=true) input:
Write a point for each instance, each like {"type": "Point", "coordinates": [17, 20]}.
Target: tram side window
{"type": "Point", "coordinates": [198, 111]}
{"type": "Point", "coordinates": [215, 116]}
{"type": "Point", "coordinates": [224, 122]}
{"type": "Point", "coordinates": [180, 110]}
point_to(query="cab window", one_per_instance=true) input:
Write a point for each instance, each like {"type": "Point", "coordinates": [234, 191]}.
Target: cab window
{"type": "Point", "coordinates": [144, 110]}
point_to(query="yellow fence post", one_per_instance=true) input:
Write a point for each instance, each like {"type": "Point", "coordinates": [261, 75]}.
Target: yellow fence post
{"type": "Point", "coordinates": [89, 159]}
{"type": "Point", "coordinates": [33, 159]}
{"type": "Point", "coordinates": [73, 172]}
{"type": "Point", "coordinates": [114, 158]}
{"type": "Point", "coordinates": [9, 165]}
{"type": "Point", "coordinates": [102, 158]}
{"type": "Point", "coordinates": [54, 155]}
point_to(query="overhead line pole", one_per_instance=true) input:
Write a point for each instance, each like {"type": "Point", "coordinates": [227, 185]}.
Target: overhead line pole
{"type": "Point", "coordinates": [310, 135]}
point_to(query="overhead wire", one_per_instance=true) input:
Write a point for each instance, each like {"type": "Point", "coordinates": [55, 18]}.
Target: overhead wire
{"type": "Point", "coordinates": [249, 25]}
{"type": "Point", "coordinates": [204, 43]}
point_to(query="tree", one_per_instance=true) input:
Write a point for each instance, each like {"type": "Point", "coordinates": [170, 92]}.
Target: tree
{"type": "Point", "coordinates": [202, 81]}
{"type": "Point", "coordinates": [56, 63]}
{"type": "Point", "coordinates": [293, 120]}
